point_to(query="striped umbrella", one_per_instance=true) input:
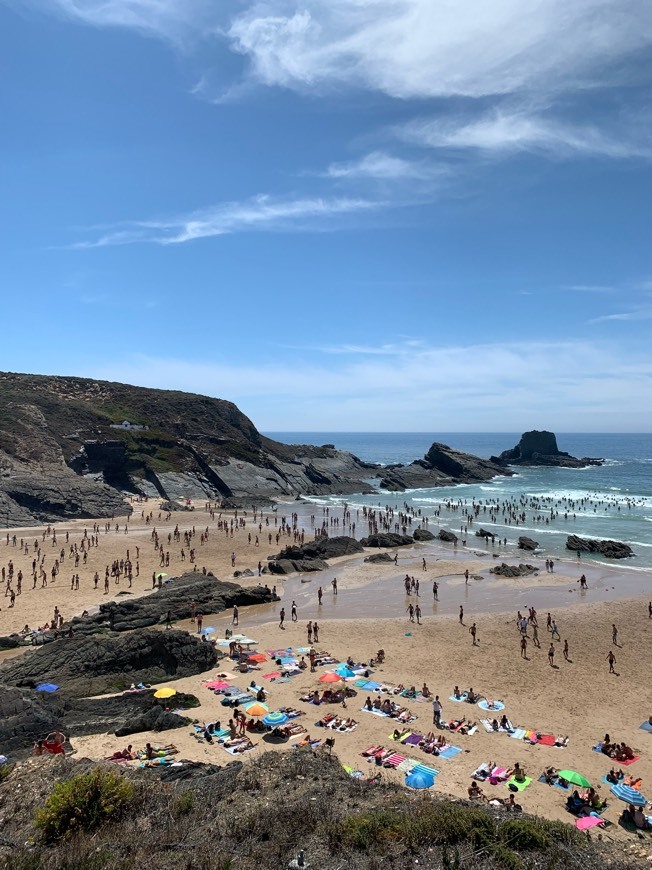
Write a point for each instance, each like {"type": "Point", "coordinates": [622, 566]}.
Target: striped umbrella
{"type": "Point", "coordinates": [257, 709]}
{"type": "Point", "coordinates": [276, 718]}
{"type": "Point", "coordinates": [628, 794]}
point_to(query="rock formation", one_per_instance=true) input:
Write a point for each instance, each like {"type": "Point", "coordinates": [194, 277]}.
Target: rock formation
{"type": "Point", "coordinates": [505, 570]}
{"type": "Point", "coordinates": [540, 448]}
{"type": "Point", "coordinates": [378, 558]}
{"type": "Point", "coordinates": [387, 539]}
{"type": "Point", "coordinates": [94, 664]}
{"type": "Point", "coordinates": [525, 543]}
{"type": "Point", "coordinates": [609, 549]}
{"type": "Point", "coordinates": [449, 537]}
{"type": "Point", "coordinates": [441, 466]}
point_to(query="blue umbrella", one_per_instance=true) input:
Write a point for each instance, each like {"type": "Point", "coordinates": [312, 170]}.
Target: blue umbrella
{"type": "Point", "coordinates": [276, 718]}
{"type": "Point", "coordinates": [209, 630]}
{"type": "Point", "coordinates": [419, 779]}
{"type": "Point", "coordinates": [344, 671]}
{"type": "Point", "coordinates": [47, 687]}
{"type": "Point", "coordinates": [628, 794]}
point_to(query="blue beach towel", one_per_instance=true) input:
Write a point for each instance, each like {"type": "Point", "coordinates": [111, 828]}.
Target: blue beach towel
{"type": "Point", "coordinates": [423, 768]}
{"type": "Point", "coordinates": [484, 705]}
{"type": "Point", "coordinates": [646, 727]}
{"type": "Point", "coordinates": [450, 752]}
{"type": "Point", "coordinates": [461, 698]}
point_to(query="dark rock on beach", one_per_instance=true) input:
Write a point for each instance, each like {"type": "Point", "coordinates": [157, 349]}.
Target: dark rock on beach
{"type": "Point", "coordinates": [483, 533]}
{"type": "Point", "coordinates": [449, 537]}
{"type": "Point", "coordinates": [525, 543]}
{"type": "Point", "coordinates": [423, 535]}
{"type": "Point", "coordinates": [504, 570]}
{"type": "Point", "coordinates": [322, 548]}
{"type": "Point", "coordinates": [377, 558]}
{"type": "Point", "coordinates": [95, 665]}
{"type": "Point", "coordinates": [540, 448]}
{"type": "Point", "coordinates": [291, 566]}
{"type": "Point", "coordinates": [387, 539]}
{"type": "Point", "coordinates": [609, 549]}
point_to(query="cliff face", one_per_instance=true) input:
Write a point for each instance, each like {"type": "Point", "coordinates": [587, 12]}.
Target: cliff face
{"type": "Point", "coordinates": [540, 448]}
{"type": "Point", "coordinates": [73, 447]}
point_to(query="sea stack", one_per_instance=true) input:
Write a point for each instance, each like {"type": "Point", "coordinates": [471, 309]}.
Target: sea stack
{"type": "Point", "coordinates": [540, 448]}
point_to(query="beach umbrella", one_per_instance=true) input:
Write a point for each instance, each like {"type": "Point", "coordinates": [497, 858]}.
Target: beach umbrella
{"type": "Point", "coordinates": [165, 692]}
{"type": "Point", "coordinates": [257, 657]}
{"type": "Point", "coordinates": [160, 575]}
{"type": "Point", "coordinates": [256, 709]}
{"type": "Point", "coordinates": [209, 630]}
{"type": "Point", "coordinates": [276, 718]}
{"type": "Point", "coordinates": [344, 671]}
{"type": "Point", "coordinates": [330, 677]}
{"type": "Point", "coordinates": [47, 687]}
{"type": "Point", "coordinates": [575, 778]}
{"type": "Point", "coordinates": [419, 779]}
{"type": "Point", "coordinates": [628, 794]}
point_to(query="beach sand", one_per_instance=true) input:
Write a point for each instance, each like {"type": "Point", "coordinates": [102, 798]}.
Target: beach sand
{"type": "Point", "coordinates": [577, 698]}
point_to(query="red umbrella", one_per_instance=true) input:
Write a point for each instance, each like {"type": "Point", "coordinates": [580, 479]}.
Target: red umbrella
{"type": "Point", "coordinates": [330, 677]}
{"type": "Point", "coordinates": [257, 657]}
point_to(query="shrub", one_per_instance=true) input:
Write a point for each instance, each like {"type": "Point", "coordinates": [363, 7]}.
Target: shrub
{"type": "Point", "coordinates": [83, 803]}
{"type": "Point", "coordinates": [183, 804]}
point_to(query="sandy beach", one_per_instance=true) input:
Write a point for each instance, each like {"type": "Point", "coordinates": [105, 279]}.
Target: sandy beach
{"type": "Point", "coordinates": [578, 698]}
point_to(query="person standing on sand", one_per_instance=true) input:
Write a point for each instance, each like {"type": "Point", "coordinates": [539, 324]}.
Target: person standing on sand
{"type": "Point", "coordinates": [396, 558]}
{"type": "Point", "coordinates": [649, 610]}
{"type": "Point", "coordinates": [523, 647]}
{"type": "Point", "coordinates": [555, 630]}
{"type": "Point", "coordinates": [461, 615]}
{"type": "Point", "coordinates": [435, 594]}
{"type": "Point", "coordinates": [236, 616]}
{"type": "Point", "coordinates": [549, 622]}
{"type": "Point", "coordinates": [410, 610]}
{"type": "Point", "coordinates": [472, 632]}
{"type": "Point", "coordinates": [535, 636]}
{"type": "Point", "coordinates": [315, 631]}
{"type": "Point", "coordinates": [436, 711]}
{"type": "Point", "coordinates": [334, 585]}
{"type": "Point", "coordinates": [320, 592]}
{"type": "Point", "coordinates": [614, 635]}
{"type": "Point", "coordinates": [168, 620]}
{"type": "Point", "coordinates": [466, 576]}
{"type": "Point", "coordinates": [611, 658]}
{"type": "Point", "coordinates": [551, 655]}
{"type": "Point", "coordinates": [281, 617]}
{"type": "Point", "coordinates": [293, 612]}
{"type": "Point", "coordinates": [566, 658]}
{"type": "Point", "coordinates": [423, 564]}
{"type": "Point", "coordinates": [200, 620]}
{"type": "Point", "coordinates": [309, 630]}
{"type": "Point", "coordinates": [417, 614]}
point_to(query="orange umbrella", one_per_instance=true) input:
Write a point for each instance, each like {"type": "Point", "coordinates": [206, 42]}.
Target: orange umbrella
{"type": "Point", "coordinates": [257, 709]}
{"type": "Point", "coordinates": [330, 677]}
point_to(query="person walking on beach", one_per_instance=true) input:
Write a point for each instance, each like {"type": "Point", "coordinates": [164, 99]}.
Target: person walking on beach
{"type": "Point", "coordinates": [535, 636]}
{"type": "Point", "coordinates": [320, 592]}
{"type": "Point", "coordinates": [472, 631]}
{"type": "Point", "coordinates": [551, 655]}
{"type": "Point", "coordinates": [334, 585]}
{"type": "Point", "coordinates": [236, 618]}
{"type": "Point", "coordinates": [555, 630]}
{"type": "Point", "coordinates": [461, 615]}
{"type": "Point", "coordinates": [417, 614]}
{"type": "Point", "coordinates": [435, 594]}
{"type": "Point", "coordinates": [423, 564]}
{"type": "Point", "coordinates": [566, 658]}
{"type": "Point", "coordinates": [523, 647]}
{"type": "Point", "coordinates": [281, 617]}
{"type": "Point", "coordinates": [549, 623]}
{"type": "Point", "coordinates": [436, 711]}
{"type": "Point", "coordinates": [466, 577]}
{"type": "Point", "coordinates": [309, 630]}
{"type": "Point", "coordinates": [614, 635]}
{"type": "Point", "coordinates": [410, 610]}
{"type": "Point", "coordinates": [315, 631]}
{"type": "Point", "coordinates": [293, 612]}
{"type": "Point", "coordinates": [611, 658]}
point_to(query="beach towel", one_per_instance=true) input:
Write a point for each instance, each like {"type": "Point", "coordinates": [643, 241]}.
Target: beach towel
{"type": "Point", "coordinates": [498, 774]}
{"type": "Point", "coordinates": [401, 738]}
{"type": "Point", "coordinates": [461, 698]}
{"type": "Point", "coordinates": [543, 739]}
{"type": "Point", "coordinates": [237, 750]}
{"type": "Point", "coordinates": [360, 684]}
{"type": "Point", "coordinates": [272, 676]}
{"type": "Point", "coordinates": [597, 747]}
{"type": "Point", "coordinates": [629, 761]}
{"type": "Point", "coordinates": [413, 739]}
{"type": "Point", "coordinates": [484, 705]}
{"type": "Point", "coordinates": [555, 782]}
{"type": "Point", "coordinates": [645, 726]}
{"type": "Point", "coordinates": [406, 766]}
{"type": "Point", "coordinates": [520, 785]}
{"type": "Point", "coordinates": [518, 733]}
{"type": "Point", "coordinates": [394, 759]}
{"type": "Point", "coordinates": [449, 752]}
{"type": "Point", "coordinates": [588, 822]}
{"type": "Point", "coordinates": [375, 712]}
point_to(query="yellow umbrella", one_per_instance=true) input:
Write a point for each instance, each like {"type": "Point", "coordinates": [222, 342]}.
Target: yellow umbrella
{"type": "Point", "coordinates": [165, 693]}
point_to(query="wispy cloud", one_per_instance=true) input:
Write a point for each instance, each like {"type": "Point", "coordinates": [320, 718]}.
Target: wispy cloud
{"type": "Point", "coordinates": [636, 314]}
{"type": "Point", "coordinates": [386, 167]}
{"type": "Point", "coordinates": [590, 288]}
{"type": "Point", "coordinates": [260, 213]}
{"type": "Point", "coordinates": [587, 386]}
{"type": "Point", "coordinates": [505, 131]}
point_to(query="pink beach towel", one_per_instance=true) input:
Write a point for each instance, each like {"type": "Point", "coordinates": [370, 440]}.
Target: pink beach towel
{"type": "Point", "coordinates": [588, 822]}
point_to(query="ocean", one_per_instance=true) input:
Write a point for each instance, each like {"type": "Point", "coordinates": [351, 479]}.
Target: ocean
{"type": "Point", "coordinates": [610, 502]}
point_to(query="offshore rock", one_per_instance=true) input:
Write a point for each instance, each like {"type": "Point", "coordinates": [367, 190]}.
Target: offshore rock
{"type": "Point", "coordinates": [609, 549]}
{"type": "Point", "coordinates": [540, 448]}
{"type": "Point", "coordinates": [525, 543]}
{"type": "Point", "coordinates": [423, 535]}
{"type": "Point", "coordinates": [449, 537]}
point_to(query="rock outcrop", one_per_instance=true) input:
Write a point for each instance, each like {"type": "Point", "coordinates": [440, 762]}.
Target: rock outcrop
{"type": "Point", "coordinates": [322, 548]}
{"type": "Point", "coordinates": [290, 566]}
{"type": "Point", "coordinates": [379, 558]}
{"type": "Point", "coordinates": [387, 539]}
{"type": "Point", "coordinates": [423, 535]}
{"type": "Point", "coordinates": [94, 665]}
{"type": "Point", "coordinates": [449, 537]}
{"type": "Point", "coordinates": [505, 570]}
{"type": "Point", "coordinates": [609, 549]}
{"type": "Point", "coordinates": [540, 448]}
{"type": "Point", "coordinates": [441, 466]}
{"type": "Point", "coordinates": [525, 543]}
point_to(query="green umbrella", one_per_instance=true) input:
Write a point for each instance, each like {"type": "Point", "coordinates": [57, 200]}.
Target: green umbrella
{"type": "Point", "coordinates": [574, 777]}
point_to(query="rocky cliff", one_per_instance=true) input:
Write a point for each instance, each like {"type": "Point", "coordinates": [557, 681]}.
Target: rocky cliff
{"type": "Point", "coordinates": [73, 447]}
{"type": "Point", "coordinates": [540, 448]}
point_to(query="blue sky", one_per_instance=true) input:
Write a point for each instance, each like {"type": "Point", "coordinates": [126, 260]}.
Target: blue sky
{"type": "Point", "coordinates": [356, 215]}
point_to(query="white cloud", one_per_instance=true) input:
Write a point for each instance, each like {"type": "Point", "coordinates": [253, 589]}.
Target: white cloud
{"type": "Point", "coordinates": [435, 48]}
{"type": "Point", "coordinates": [507, 131]}
{"type": "Point", "coordinates": [482, 387]}
{"type": "Point", "coordinates": [260, 213]}
{"type": "Point", "coordinates": [385, 167]}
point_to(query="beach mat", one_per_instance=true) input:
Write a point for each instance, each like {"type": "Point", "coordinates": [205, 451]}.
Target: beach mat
{"type": "Point", "coordinates": [461, 698]}
{"type": "Point", "coordinates": [484, 705]}
{"type": "Point", "coordinates": [645, 726]}
{"type": "Point", "coordinates": [413, 739]}
{"type": "Point", "coordinates": [450, 752]}
{"type": "Point", "coordinates": [521, 786]}
{"type": "Point", "coordinates": [518, 733]}
{"type": "Point", "coordinates": [587, 822]}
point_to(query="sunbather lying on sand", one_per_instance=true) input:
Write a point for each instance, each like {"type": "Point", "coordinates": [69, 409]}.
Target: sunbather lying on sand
{"type": "Point", "coordinates": [484, 770]}
{"type": "Point", "coordinates": [615, 776]}
{"type": "Point", "coordinates": [240, 744]}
